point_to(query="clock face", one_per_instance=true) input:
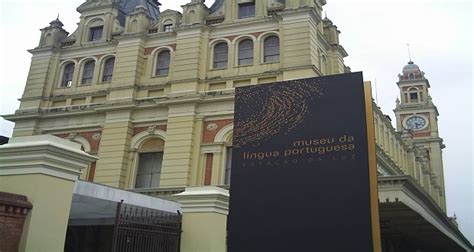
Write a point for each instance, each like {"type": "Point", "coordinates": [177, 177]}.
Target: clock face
{"type": "Point", "coordinates": [416, 123]}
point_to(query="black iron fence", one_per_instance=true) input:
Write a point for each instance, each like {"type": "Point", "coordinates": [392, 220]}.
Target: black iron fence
{"type": "Point", "coordinates": [145, 230]}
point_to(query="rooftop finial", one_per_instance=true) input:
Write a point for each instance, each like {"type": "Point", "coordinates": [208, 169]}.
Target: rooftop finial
{"type": "Point", "coordinates": [325, 15]}
{"type": "Point", "coordinates": [409, 54]}
{"type": "Point", "coordinates": [56, 22]}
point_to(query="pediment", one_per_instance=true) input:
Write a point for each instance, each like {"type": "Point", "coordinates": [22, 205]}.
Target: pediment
{"type": "Point", "coordinates": [169, 13]}
{"type": "Point", "coordinates": [91, 4]}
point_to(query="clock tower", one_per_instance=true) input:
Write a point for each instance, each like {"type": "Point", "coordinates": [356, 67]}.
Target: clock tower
{"type": "Point", "coordinates": [416, 113]}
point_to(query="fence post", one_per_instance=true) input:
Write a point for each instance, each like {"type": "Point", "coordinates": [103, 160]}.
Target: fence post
{"type": "Point", "coordinates": [116, 224]}
{"type": "Point", "coordinates": [44, 169]}
{"type": "Point", "coordinates": [201, 205]}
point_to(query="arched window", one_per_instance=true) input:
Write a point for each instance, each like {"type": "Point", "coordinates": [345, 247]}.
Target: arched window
{"type": "Point", "coordinates": [168, 26]}
{"type": "Point", "coordinates": [88, 72]}
{"type": "Point", "coordinates": [411, 76]}
{"type": "Point", "coordinates": [220, 55]}
{"type": "Point", "coordinates": [68, 72]}
{"type": "Point", "coordinates": [93, 30]}
{"type": "Point", "coordinates": [108, 70]}
{"type": "Point", "coordinates": [48, 39]}
{"type": "Point", "coordinates": [323, 64]}
{"type": "Point", "coordinates": [413, 94]}
{"type": "Point", "coordinates": [192, 17]}
{"type": "Point", "coordinates": [271, 49]}
{"type": "Point", "coordinates": [246, 52]}
{"type": "Point", "coordinates": [163, 63]}
{"type": "Point", "coordinates": [225, 136]}
{"type": "Point", "coordinates": [150, 158]}
{"type": "Point", "coordinates": [134, 26]}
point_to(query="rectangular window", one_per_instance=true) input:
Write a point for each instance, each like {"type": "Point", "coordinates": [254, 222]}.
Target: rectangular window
{"type": "Point", "coordinates": [67, 75]}
{"type": "Point", "coordinates": [413, 97]}
{"type": "Point", "coordinates": [168, 27]}
{"type": "Point", "coordinates": [107, 78]}
{"type": "Point", "coordinates": [88, 73]}
{"type": "Point", "coordinates": [163, 64]}
{"type": "Point", "coordinates": [246, 10]}
{"type": "Point", "coordinates": [149, 170]}
{"type": "Point", "coordinates": [271, 49]}
{"type": "Point", "coordinates": [108, 70]}
{"type": "Point", "coordinates": [220, 56]}
{"type": "Point", "coordinates": [228, 165]}
{"type": "Point", "coordinates": [246, 57]}
{"type": "Point", "coordinates": [95, 33]}
{"type": "Point", "coordinates": [246, 52]}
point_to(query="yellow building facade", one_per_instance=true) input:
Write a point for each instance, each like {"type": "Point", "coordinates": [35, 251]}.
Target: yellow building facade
{"type": "Point", "coordinates": [151, 93]}
{"type": "Point", "coordinates": [167, 91]}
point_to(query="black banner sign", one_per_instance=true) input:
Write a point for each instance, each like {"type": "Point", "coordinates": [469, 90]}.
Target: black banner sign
{"type": "Point", "coordinates": [303, 167]}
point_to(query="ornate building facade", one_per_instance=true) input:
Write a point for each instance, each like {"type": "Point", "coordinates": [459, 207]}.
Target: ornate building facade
{"type": "Point", "coordinates": [151, 93]}
{"type": "Point", "coordinates": [150, 86]}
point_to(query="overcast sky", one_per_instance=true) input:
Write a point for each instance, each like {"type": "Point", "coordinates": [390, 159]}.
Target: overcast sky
{"type": "Point", "coordinates": [374, 33]}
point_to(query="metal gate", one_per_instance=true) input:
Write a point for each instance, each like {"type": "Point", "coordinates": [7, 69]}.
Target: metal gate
{"type": "Point", "coordinates": [145, 230]}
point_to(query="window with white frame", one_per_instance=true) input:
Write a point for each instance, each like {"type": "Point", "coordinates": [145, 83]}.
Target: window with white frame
{"type": "Point", "coordinates": [163, 63]}
{"type": "Point", "coordinates": [88, 72]}
{"type": "Point", "coordinates": [245, 52]}
{"type": "Point", "coordinates": [168, 27]}
{"type": "Point", "coordinates": [68, 73]}
{"type": "Point", "coordinates": [108, 69]}
{"type": "Point", "coordinates": [221, 52]}
{"type": "Point", "coordinates": [271, 49]}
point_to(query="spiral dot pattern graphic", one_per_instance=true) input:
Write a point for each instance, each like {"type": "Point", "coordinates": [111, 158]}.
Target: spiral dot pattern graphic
{"type": "Point", "coordinates": [265, 111]}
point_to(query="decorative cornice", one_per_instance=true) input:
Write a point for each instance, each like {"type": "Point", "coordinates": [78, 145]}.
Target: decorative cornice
{"type": "Point", "coordinates": [208, 199]}
{"type": "Point", "coordinates": [43, 154]}
{"type": "Point", "coordinates": [212, 147]}
{"type": "Point", "coordinates": [11, 203]}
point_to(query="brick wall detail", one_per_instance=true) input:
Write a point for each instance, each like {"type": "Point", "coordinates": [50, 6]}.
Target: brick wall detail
{"type": "Point", "coordinates": [93, 137]}
{"type": "Point", "coordinates": [137, 130]}
{"type": "Point", "coordinates": [210, 132]}
{"type": "Point", "coordinates": [13, 211]}
{"type": "Point", "coordinates": [148, 50]}
{"type": "Point", "coordinates": [208, 172]}
{"type": "Point", "coordinates": [90, 136]}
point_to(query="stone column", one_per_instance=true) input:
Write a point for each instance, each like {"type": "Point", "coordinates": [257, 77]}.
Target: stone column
{"type": "Point", "coordinates": [44, 169]}
{"type": "Point", "coordinates": [205, 212]}
{"type": "Point", "coordinates": [112, 168]}
{"type": "Point", "coordinates": [179, 153]}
